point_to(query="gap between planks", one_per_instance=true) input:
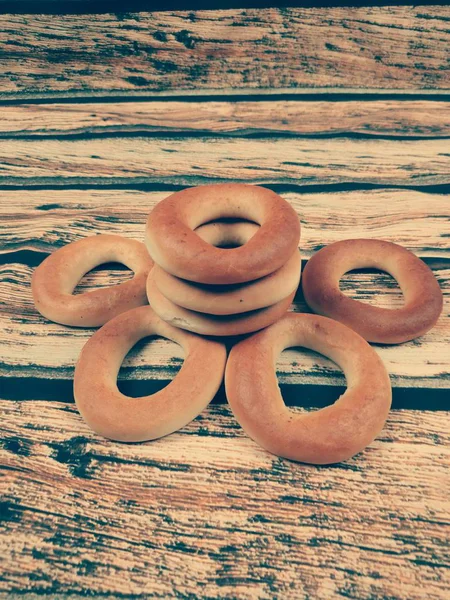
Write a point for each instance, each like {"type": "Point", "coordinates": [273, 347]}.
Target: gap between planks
{"type": "Point", "coordinates": [308, 95]}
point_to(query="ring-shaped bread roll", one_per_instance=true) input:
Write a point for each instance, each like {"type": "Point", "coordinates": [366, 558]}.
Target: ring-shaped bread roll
{"type": "Point", "coordinates": [325, 436]}
{"type": "Point", "coordinates": [213, 324]}
{"type": "Point", "coordinates": [55, 279]}
{"type": "Point", "coordinates": [179, 250]}
{"type": "Point", "coordinates": [423, 296]}
{"type": "Point", "coordinates": [232, 299]}
{"type": "Point", "coordinates": [118, 417]}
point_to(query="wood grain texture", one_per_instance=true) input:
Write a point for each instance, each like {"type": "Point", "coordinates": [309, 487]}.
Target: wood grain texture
{"type": "Point", "coordinates": [35, 347]}
{"type": "Point", "coordinates": [379, 118]}
{"type": "Point", "coordinates": [207, 513]}
{"type": "Point", "coordinates": [193, 161]}
{"type": "Point", "coordinates": [43, 220]}
{"type": "Point", "coordinates": [387, 48]}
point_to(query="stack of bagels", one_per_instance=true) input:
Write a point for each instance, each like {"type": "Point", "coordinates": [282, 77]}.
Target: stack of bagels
{"type": "Point", "coordinates": [198, 286]}
{"type": "Point", "coordinates": [197, 289]}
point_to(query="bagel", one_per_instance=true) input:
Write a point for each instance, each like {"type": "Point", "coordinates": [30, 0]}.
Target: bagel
{"type": "Point", "coordinates": [55, 279]}
{"type": "Point", "coordinates": [111, 414]}
{"type": "Point", "coordinates": [212, 324]}
{"type": "Point", "coordinates": [423, 296]}
{"type": "Point", "coordinates": [325, 436]}
{"type": "Point", "coordinates": [179, 250]}
{"type": "Point", "coordinates": [238, 298]}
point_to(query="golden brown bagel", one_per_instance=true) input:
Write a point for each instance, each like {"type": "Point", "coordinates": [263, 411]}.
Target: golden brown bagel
{"type": "Point", "coordinates": [329, 435]}
{"type": "Point", "coordinates": [179, 250]}
{"type": "Point", "coordinates": [55, 279]}
{"type": "Point", "coordinates": [212, 324]}
{"type": "Point", "coordinates": [231, 299]}
{"type": "Point", "coordinates": [423, 296]}
{"type": "Point", "coordinates": [111, 414]}
{"type": "Point", "coordinates": [234, 299]}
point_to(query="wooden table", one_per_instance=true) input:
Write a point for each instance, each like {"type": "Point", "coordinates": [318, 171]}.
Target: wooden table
{"type": "Point", "coordinates": [344, 112]}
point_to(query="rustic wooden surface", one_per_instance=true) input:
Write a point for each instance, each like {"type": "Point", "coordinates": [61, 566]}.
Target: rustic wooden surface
{"type": "Point", "coordinates": [205, 513]}
{"type": "Point", "coordinates": [409, 118]}
{"type": "Point", "coordinates": [344, 112]}
{"type": "Point", "coordinates": [39, 221]}
{"type": "Point", "coordinates": [394, 48]}
{"type": "Point", "coordinates": [44, 219]}
{"type": "Point", "coordinates": [195, 161]}
{"type": "Point", "coordinates": [35, 347]}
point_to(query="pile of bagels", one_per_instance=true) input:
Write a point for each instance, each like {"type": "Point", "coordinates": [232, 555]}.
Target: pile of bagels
{"type": "Point", "coordinates": [223, 260]}
{"type": "Point", "coordinates": [197, 285]}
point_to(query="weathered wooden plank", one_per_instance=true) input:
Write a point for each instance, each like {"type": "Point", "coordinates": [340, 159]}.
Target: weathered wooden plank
{"type": "Point", "coordinates": [190, 161]}
{"type": "Point", "coordinates": [35, 347]}
{"type": "Point", "coordinates": [298, 49]}
{"type": "Point", "coordinates": [383, 117]}
{"type": "Point", "coordinates": [207, 513]}
{"type": "Point", "coordinates": [43, 220]}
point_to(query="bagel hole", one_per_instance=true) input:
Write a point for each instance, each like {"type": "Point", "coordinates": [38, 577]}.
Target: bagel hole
{"type": "Point", "coordinates": [232, 243]}
{"type": "Point", "coordinates": [104, 275]}
{"type": "Point", "coordinates": [372, 286]}
{"type": "Point", "coordinates": [307, 365]}
{"type": "Point", "coordinates": [149, 366]}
